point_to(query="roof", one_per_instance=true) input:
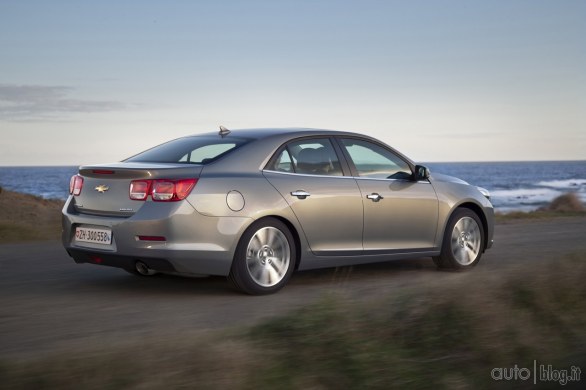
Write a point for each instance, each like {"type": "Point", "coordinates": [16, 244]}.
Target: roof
{"type": "Point", "coordinates": [265, 132]}
{"type": "Point", "coordinates": [271, 138]}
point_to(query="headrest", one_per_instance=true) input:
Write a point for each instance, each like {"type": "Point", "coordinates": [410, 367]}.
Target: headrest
{"type": "Point", "coordinates": [313, 156]}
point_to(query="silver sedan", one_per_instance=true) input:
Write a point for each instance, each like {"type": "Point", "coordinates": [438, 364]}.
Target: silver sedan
{"type": "Point", "coordinates": [255, 205]}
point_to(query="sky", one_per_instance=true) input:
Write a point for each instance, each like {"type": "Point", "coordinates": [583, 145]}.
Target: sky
{"type": "Point", "coordinates": [85, 82]}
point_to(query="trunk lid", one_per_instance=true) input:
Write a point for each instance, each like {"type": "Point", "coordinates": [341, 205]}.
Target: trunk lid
{"type": "Point", "coordinates": [106, 187]}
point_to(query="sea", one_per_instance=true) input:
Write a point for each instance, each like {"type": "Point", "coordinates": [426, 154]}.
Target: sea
{"type": "Point", "coordinates": [514, 186]}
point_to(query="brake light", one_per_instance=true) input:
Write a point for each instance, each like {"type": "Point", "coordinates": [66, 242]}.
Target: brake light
{"type": "Point", "coordinates": [161, 190]}
{"type": "Point", "coordinates": [140, 189]}
{"type": "Point", "coordinates": [184, 187]}
{"type": "Point", "coordinates": [75, 185]}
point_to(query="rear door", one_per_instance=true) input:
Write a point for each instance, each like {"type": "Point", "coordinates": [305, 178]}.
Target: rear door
{"type": "Point", "coordinates": [309, 175]}
{"type": "Point", "coordinates": [400, 214]}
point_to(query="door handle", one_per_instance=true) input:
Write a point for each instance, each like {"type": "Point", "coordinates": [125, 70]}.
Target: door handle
{"type": "Point", "coordinates": [301, 194]}
{"type": "Point", "coordinates": [374, 197]}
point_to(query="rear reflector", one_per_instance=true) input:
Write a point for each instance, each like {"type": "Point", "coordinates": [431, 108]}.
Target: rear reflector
{"type": "Point", "coordinates": [152, 238]}
{"type": "Point", "coordinates": [96, 259]}
{"type": "Point", "coordinates": [161, 190]}
{"type": "Point", "coordinates": [75, 185]}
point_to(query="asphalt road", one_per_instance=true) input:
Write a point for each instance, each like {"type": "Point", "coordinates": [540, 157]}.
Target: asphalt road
{"type": "Point", "coordinates": [50, 304]}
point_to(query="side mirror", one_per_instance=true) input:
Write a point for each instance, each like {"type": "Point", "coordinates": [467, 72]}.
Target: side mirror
{"type": "Point", "coordinates": [421, 172]}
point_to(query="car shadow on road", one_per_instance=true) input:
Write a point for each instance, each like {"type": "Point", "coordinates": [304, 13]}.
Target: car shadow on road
{"type": "Point", "coordinates": [115, 280]}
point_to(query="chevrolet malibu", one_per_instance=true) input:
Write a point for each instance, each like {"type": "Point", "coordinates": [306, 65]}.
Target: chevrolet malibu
{"type": "Point", "coordinates": [255, 205]}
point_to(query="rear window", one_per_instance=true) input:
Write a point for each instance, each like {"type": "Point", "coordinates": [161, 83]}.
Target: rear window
{"type": "Point", "coordinates": [190, 150]}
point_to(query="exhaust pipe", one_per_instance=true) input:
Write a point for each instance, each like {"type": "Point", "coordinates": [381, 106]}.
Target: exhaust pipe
{"type": "Point", "coordinates": [144, 269]}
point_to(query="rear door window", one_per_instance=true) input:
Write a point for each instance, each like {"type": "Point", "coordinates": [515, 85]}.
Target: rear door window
{"type": "Point", "coordinates": [314, 156]}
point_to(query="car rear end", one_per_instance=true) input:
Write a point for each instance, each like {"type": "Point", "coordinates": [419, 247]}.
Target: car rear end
{"type": "Point", "coordinates": [137, 214]}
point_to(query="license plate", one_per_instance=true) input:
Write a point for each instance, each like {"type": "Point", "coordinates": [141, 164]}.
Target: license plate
{"type": "Point", "coordinates": [96, 236]}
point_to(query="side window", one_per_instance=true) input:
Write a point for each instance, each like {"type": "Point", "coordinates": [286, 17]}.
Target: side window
{"type": "Point", "coordinates": [374, 161]}
{"type": "Point", "coordinates": [283, 163]}
{"type": "Point", "coordinates": [315, 156]}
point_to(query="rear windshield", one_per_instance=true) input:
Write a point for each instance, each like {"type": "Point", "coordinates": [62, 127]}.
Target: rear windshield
{"type": "Point", "coordinates": [190, 150]}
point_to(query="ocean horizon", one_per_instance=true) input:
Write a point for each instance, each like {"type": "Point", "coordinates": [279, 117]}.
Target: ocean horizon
{"type": "Point", "coordinates": [514, 185]}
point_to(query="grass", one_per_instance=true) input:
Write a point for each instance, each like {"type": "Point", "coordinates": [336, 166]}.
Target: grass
{"type": "Point", "coordinates": [25, 217]}
{"type": "Point", "coordinates": [431, 340]}
{"type": "Point", "coordinates": [438, 336]}
{"type": "Point", "coordinates": [566, 205]}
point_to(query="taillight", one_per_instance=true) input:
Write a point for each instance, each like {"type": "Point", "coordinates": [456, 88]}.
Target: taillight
{"type": "Point", "coordinates": [184, 187]}
{"type": "Point", "coordinates": [161, 190]}
{"type": "Point", "coordinates": [75, 185]}
{"type": "Point", "coordinates": [140, 189]}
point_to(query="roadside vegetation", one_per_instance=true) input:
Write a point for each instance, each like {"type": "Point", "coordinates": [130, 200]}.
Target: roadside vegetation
{"type": "Point", "coordinates": [566, 205]}
{"type": "Point", "coordinates": [25, 217]}
{"type": "Point", "coordinates": [438, 336]}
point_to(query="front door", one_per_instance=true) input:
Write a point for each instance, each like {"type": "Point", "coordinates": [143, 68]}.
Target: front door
{"type": "Point", "coordinates": [400, 214]}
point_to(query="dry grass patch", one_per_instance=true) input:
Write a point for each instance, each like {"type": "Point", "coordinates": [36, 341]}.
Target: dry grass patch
{"type": "Point", "coordinates": [202, 362]}
{"type": "Point", "coordinates": [567, 205]}
{"type": "Point", "coordinates": [25, 217]}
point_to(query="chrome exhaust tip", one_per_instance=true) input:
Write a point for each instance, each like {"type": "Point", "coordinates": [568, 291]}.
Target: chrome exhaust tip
{"type": "Point", "coordinates": [144, 269]}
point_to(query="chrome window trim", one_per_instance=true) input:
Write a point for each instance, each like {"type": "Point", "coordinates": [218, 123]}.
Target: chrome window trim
{"type": "Point", "coordinates": [307, 174]}
{"type": "Point", "coordinates": [381, 179]}
{"type": "Point", "coordinates": [344, 177]}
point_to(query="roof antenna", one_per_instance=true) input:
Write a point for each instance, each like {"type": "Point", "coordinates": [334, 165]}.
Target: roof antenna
{"type": "Point", "coordinates": [223, 131]}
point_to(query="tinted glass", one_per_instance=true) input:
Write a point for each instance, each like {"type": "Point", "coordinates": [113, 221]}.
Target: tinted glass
{"type": "Point", "coordinates": [314, 157]}
{"type": "Point", "coordinates": [374, 161]}
{"type": "Point", "coordinates": [190, 150]}
{"type": "Point", "coordinates": [283, 163]}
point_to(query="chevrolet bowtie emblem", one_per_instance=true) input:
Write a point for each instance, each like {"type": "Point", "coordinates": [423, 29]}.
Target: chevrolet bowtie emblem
{"type": "Point", "coordinates": [102, 188]}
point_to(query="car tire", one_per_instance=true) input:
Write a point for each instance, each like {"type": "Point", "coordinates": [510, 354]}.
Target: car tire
{"type": "Point", "coordinates": [264, 259]}
{"type": "Point", "coordinates": [463, 241]}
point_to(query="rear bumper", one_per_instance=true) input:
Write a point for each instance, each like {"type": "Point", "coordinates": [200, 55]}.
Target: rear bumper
{"type": "Point", "coordinates": [195, 244]}
{"type": "Point", "coordinates": [119, 261]}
